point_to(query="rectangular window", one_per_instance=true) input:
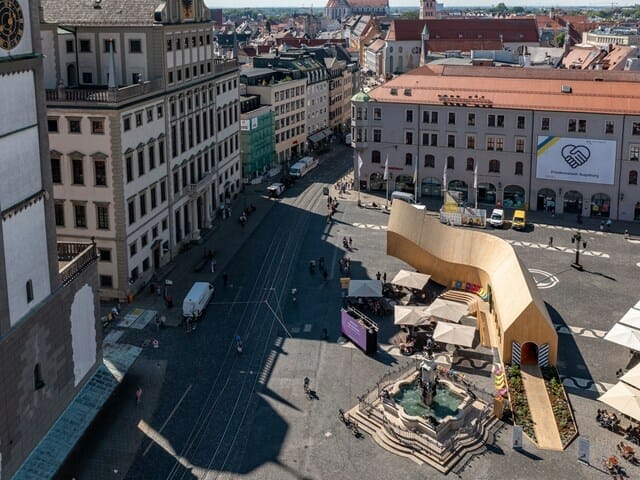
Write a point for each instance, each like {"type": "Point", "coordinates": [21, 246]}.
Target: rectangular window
{"type": "Point", "coordinates": [56, 171]}
{"type": "Point", "coordinates": [635, 129]}
{"type": "Point", "coordinates": [140, 163]}
{"type": "Point", "coordinates": [499, 144]}
{"type": "Point", "coordinates": [163, 191]}
{"type": "Point", "coordinates": [169, 45]}
{"type": "Point", "coordinates": [471, 142]}
{"type": "Point", "coordinates": [131, 210]}
{"type": "Point", "coordinates": [100, 170]}
{"type": "Point", "coordinates": [471, 119]}
{"type": "Point", "coordinates": [520, 122]}
{"type": "Point", "coordinates": [154, 232]}
{"type": "Point", "coordinates": [74, 125]}
{"type": "Point", "coordinates": [85, 46]}
{"type": "Point", "coordinates": [143, 204]}
{"type": "Point", "coordinates": [582, 126]}
{"type": "Point", "coordinates": [106, 281]}
{"type": "Point", "coordinates": [134, 274]}
{"type": "Point", "coordinates": [491, 143]}
{"type": "Point", "coordinates": [69, 46]}
{"type": "Point", "coordinates": [491, 120]}
{"type": "Point", "coordinates": [104, 254]}
{"type": "Point", "coordinates": [634, 153]}
{"type": "Point", "coordinates": [106, 44]}
{"type": "Point", "coordinates": [176, 183]}
{"type": "Point", "coordinates": [153, 197]}
{"type": "Point", "coordinates": [135, 45]}
{"type": "Point", "coordinates": [102, 217]}
{"type": "Point", "coordinates": [80, 213]}
{"type": "Point", "coordinates": [52, 124]}
{"type": "Point", "coordinates": [161, 152]}
{"type": "Point", "coordinates": [500, 121]}
{"type": "Point", "coordinates": [434, 117]}
{"type": "Point", "coordinates": [149, 114]}
{"type": "Point", "coordinates": [377, 113]}
{"type": "Point", "coordinates": [138, 119]}
{"type": "Point", "coordinates": [408, 137]}
{"type": "Point", "coordinates": [608, 126]}
{"type": "Point", "coordinates": [451, 141]}
{"type": "Point", "coordinates": [409, 116]}
{"type": "Point", "coordinates": [144, 240]}
{"type": "Point", "coordinates": [572, 125]}
{"type": "Point", "coordinates": [519, 144]}
{"type": "Point", "coordinates": [544, 125]}
{"type": "Point", "coordinates": [97, 127]}
{"type": "Point", "coordinates": [152, 156]}
{"type": "Point", "coordinates": [87, 77]}
{"type": "Point", "coordinates": [377, 135]}
{"type": "Point", "coordinates": [133, 249]}
{"type": "Point", "coordinates": [58, 208]}
{"type": "Point", "coordinates": [129, 168]}
{"type": "Point", "coordinates": [78, 172]}
{"type": "Point", "coordinates": [126, 123]}
{"type": "Point", "coordinates": [452, 118]}
{"type": "Point", "coordinates": [434, 140]}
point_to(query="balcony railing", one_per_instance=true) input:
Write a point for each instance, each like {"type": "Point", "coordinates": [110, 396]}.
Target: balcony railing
{"type": "Point", "coordinates": [104, 95]}
{"type": "Point", "coordinates": [74, 258]}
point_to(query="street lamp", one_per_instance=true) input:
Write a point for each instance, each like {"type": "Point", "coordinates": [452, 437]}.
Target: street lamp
{"type": "Point", "coordinates": [577, 239]}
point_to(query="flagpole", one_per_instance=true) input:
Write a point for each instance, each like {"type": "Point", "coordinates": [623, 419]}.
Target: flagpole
{"type": "Point", "coordinates": [360, 163]}
{"type": "Point", "coordinates": [415, 182]}
{"type": "Point", "coordinates": [386, 179]}
{"type": "Point", "coordinates": [475, 184]}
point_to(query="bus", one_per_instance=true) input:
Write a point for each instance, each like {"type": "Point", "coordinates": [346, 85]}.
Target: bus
{"type": "Point", "coordinates": [303, 166]}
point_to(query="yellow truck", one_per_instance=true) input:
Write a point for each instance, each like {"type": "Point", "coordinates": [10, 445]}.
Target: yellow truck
{"type": "Point", "coordinates": [519, 220]}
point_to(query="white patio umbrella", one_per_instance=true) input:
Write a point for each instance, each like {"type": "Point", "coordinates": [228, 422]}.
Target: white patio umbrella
{"type": "Point", "coordinates": [365, 288]}
{"type": "Point", "coordinates": [625, 336]}
{"type": "Point", "coordinates": [408, 279]}
{"type": "Point", "coordinates": [624, 398]}
{"type": "Point", "coordinates": [632, 317]}
{"type": "Point", "coordinates": [454, 334]}
{"type": "Point", "coordinates": [448, 310]}
{"type": "Point", "coordinates": [413, 316]}
{"type": "Point", "coordinates": [632, 377]}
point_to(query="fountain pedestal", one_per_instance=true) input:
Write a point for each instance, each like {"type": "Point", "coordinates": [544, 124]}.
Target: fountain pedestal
{"type": "Point", "coordinates": [428, 379]}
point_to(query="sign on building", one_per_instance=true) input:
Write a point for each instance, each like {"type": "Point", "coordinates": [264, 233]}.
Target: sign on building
{"type": "Point", "coordinates": [576, 160]}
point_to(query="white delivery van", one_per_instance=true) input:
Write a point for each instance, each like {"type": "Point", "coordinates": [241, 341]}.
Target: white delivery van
{"type": "Point", "coordinates": [197, 299]}
{"type": "Point", "coordinates": [404, 196]}
{"type": "Point", "coordinates": [275, 189]}
{"type": "Point", "coordinates": [497, 218]}
{"type": "Point", "coordinates": [297, 170]}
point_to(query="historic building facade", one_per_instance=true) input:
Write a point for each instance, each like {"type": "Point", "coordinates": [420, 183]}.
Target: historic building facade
{"type": "Point", "coordinates": [560, 140]}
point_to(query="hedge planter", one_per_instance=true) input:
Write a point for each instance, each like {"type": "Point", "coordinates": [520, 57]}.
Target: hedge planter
{"type": "Point", "coordinates": [519, 402]}
{"type": "Point", "coordinates": [560, 404]}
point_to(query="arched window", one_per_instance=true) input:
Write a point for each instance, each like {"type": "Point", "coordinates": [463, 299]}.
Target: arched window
{"type": "Point", "coordinates": [633, 177]}
{"type": "Point", "coordinates": [518, 168]}
{"type": "Point", "coordinates": [375, 156]}
{"type": "Point", "coordinates": [494, 166]}
{"type": "Point", "coordinates": [451, 163]}
{"type": "Point", "coordinates": [29, 287]}
{"type": "Point", "coordinates": [38, 383]}
{"type": "Point", "coordinates": [470, 163]}
{"type": "Point", "coordinates": [429, 161]}
{"type": "Point", "coordinates": [408, 159]}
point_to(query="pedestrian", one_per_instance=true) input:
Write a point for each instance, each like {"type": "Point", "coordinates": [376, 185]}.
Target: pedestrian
{"type": "Point", "coordinates": [384, 277]}
{"type": "Point", "coordinates": [608, 224]}
{"type": "Point", "coordinates": [213, 265]}
{"type": "Point", "coordinates": [138, 395]}
{"type": "Point", "coordinates": [341, 263]}
{"type": "Point", "coordinates": [350, 242]}
{"type": "Point", "coordinates": [157, 322]}
{"type": "Point", "coordinates": [225, 279]}
{"type": "Point", "coordinates": [325, 334]}
{"type": "Point", "coordinates": [602, 226]}
{"type": "Point", "coordinates": [550, 242]}
{"type": "Point", "coordinates": [378, 276]}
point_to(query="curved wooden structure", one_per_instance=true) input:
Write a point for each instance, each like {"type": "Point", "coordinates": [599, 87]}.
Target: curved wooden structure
{"type": "Point", "coordinates": [520, 322]}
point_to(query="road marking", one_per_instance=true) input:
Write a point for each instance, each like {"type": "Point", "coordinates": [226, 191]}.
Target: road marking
{"type": "Point", "coordinates": [146, 430]}
{"type": "Point", "coordinates": [580, 331]}
{"type": "Point", "coordinates": [586, 384]}
{"type": "Point", "coordinates": [571, 250]}
{"type": "Point", "coordinates": [567, 229]}
{"type": "Point", "coordinates": [369, 226]}
{"type": "Point", "coordinates": [295, 329]}
{"type": "Point", "coordinates": [307, 327]}
{"type": "Point", "coordinates": [544, 279]}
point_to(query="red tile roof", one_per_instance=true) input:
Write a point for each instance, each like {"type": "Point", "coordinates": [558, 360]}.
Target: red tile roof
{"type": "Point", "coordinates": [512, 29]}
{"type": "Point", "coordinates": [369, 3]}
{"type": "Point", "coordinates": [464, 45]}
{"type": "Point", "coordinates": [516, 88]}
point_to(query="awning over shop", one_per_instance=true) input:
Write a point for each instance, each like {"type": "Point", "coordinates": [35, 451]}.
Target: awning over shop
{"type": "Point", "coordinates": [624, 398]}
{"type": "Point", "coordinates": [448, 310]}
{"type": "Point", "coordinates": [54, 448]}
{"type": "Point", "coordinates": [454, 334]}
{"type": "Point", "coordinates": [365, 288]}
{"type": "Point", "coordinates": [625, 336]}
{"type": "Point", "coordinates": [408, 279]}
{"type": "Point", "coordinates": [321, 135]}
{"type": "Point", "coordinates": [413, 316]}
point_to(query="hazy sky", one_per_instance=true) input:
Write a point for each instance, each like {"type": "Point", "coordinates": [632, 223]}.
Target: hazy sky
{"type": "Point", "coordinates": [411, 3]}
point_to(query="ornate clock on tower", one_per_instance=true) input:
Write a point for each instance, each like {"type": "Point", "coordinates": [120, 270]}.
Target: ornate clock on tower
{"type": "Point", "coordinates": [187, 9]}
{"type": "Point", "coordinates": [11, 24]}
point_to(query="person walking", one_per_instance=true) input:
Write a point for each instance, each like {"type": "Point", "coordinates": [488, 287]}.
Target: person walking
{"type": "Point", "coordinates": [350, 242]}
{"type": "Point", "coordinates": [138, 395]}
{"type": "Point", "coordinates": [378, 276]}
{"type": "Point", "coordinates": [384, 277]}
{"type": "Point", "coordinates": [550, 242]}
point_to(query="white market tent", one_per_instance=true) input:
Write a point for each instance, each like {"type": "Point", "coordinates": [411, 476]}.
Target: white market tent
{"type": "Point", "coordinates": [632, 317]}
{"type": "Point", "coordinates": [624, 398]}
{"type": "Point", "coordinates": [365, 288]}
{"type": "Point", "coordinates": [408, 279]}
{"type": "Point", "coordinates": [448, 310]}
{"type": "Point", "coordinates": [413, 316]}
{"type": "Point", "coordinates": [632, 377]}
{"type": "Point", "coordinates": [454, 334]}
{"type": "Point", "coordinates": [625, 336]}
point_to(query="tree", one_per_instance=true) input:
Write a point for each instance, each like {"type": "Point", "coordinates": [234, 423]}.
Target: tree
{"type": "Point", "coordinates": [267, 25]}
{"type": "Point", "coordinates": [560, 39]}
{"type": "Point", "coordinates": [412, 15]}
{"type": "Point", "coordinates": [499, 8]}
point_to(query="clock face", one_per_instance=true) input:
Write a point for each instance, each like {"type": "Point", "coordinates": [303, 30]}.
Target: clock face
{"type": "Point", "coordinates": [11, 24]}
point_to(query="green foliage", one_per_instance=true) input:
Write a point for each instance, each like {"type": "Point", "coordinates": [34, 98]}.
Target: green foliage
{"type": "Point", "coordinates": [559, 39]}
{"type": "Point", "coordinates": [410, 15]}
